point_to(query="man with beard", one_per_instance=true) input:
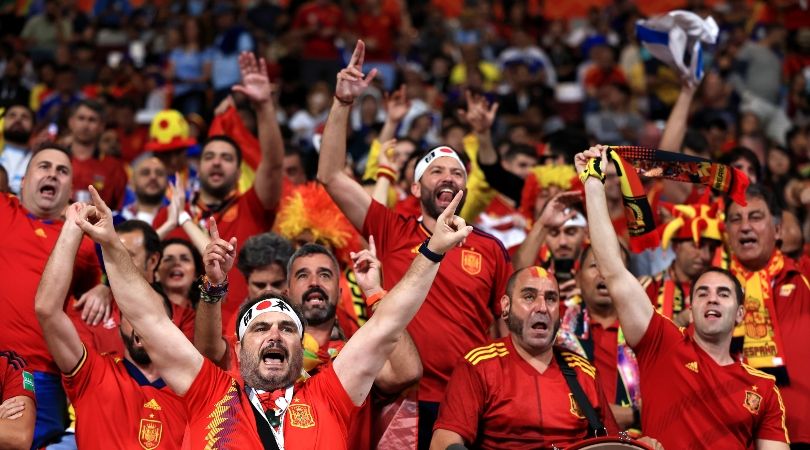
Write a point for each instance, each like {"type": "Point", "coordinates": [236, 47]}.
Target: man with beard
{"type": "Point", "coordinates": [149, 181]}
{"type": "Point", "coordinates": [463, 303]}
{"type": "Point", "coordinates": [709, 399]}
{"type": "Point", "coordinates": [776, 323]}
{"type": "Point", "coordinates": [239, 215]}
{"type": "Point", "coordinates": [224, 413]}
{"type": "Point", "coordinates": [105, 173]}
{"type": "Point", "coordinates": [18, 122]}
{"type": "Point", "coordinates": [30, 226]}
{"type": "Point", "coordinates": [120, 403]}
{"type": "Point", "coordinates": [513, 391]}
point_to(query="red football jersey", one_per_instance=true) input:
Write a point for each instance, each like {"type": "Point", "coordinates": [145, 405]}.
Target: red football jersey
{"type": "Point", "coordinates": [117, 407]}
{"type": "Point", "coordinates": [220, 415]}
{"type": "Point", "coordinates": [792, 301]}
{"type": "Point", "coordinates": [463, 301]}
{"type": "Point", "coordinates": [497, 400]}
{"type": "Point", "coordinates": [689, 401]}
{"type": "Point", "coordinates": [27, 243]}
{"type": "Point", "coordinates": [605, 357]}
{"type": "Point", "coordinates": [244, 217]}
{"type": "Point", "coordinates": [15, 381]}
{"type": "Point", "coordinates": [106, 174]}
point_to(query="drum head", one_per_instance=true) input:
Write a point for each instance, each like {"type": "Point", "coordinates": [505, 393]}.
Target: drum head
{"type": "Point", "coordinates": [609, 443]}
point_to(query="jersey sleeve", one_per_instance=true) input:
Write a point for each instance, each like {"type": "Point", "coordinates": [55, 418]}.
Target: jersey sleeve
{"type": "Point", "coordinates": [772, 425]}
{"type": "Point", "coordinates": [250, 204]}
{"type": "Point", "coordinates": [88, 373]}
{"type": "Point", "coordinates": [208, 388]}
{"type": "Point", "coordinates": [382, 223]}
{"type": "Point", "coordinates": [463, 404]}
{"type": "Point", "coordinates": [660, 335]}
{"type": "Point", "coordinates": [15, 381]}
{"type": "Point", "coordinates": [328, 387]}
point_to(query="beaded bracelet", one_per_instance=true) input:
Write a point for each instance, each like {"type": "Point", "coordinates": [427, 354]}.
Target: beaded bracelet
{"type": "Point", "coordinates": [212, 293]}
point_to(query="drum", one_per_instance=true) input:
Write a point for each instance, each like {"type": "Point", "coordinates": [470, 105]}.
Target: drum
{"type": "Point", "coordinates": [609, 443]}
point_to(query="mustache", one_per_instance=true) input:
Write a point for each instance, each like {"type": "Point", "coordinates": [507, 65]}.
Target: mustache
{"type": "Point", "coordinates": [313, 290]}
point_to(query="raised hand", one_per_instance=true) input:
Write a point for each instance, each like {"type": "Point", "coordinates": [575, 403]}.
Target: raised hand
{"type": "Point", "coordinates": [97, 222]}
{"type": "Point", "coordinates": [218, 256]}
{"type": "Point", "coordinates": [397, 105]}
{"type": "Point", "coordinates": [386, 157]}
{"type": "Point", "coordinates": [367, 268]}
{"type": "Point", "coordinates": [350, 81]}
{"type": "Point", "coordinates": [255, 82]}
{"type": "Point", "coordinates": [556, 211]}
{"type": "Point", "coordinates": [480, 115]}
{"type": "Point", "coordinates": [597, 151]}
{"type": "Point", "coordinates": [178, 202]}
{"type": "Point", "coordinates": [12, 409]}
{"type": "Point", "coordinates": [450, 230]}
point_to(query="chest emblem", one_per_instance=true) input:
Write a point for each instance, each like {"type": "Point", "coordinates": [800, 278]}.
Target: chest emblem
{"type": "Point", "coordinates": [574, 410]}
{"type": "Point", "coordinates": [752, 402]}
{"type": "Point", "coordinates": [692, 366]}
{"type": "Point", "coordinates": [39, 232]}
{"type": "Point", "coordinates": [471, 262]}
{"type": "Point", "coordinates": [301, 416]}
{"type": "Point", "coordinates": [152, 404]}
{"type": "Point", "coordinates": [150, 433]}
{"type": "Point", "coordinates": [231, 214]}
{"type": "Point", "coordinates": [786, 290]}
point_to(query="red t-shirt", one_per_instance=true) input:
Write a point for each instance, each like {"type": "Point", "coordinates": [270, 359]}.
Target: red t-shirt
{"type": "Point", "coordinates": [461, 303]}
{"type": "Point", "coordinates": [26, 244]}
{"type": "Point", "coordinates": [497, 400]}
{"type": "Point", "coordinates": [106, 174]}
{"type": "Point", "coordinates": [689, 401]}
{"type": "Point", "coordinates": [381, 30]}
{"type": "Point", "coordinates": [220, 415]}
{"type": "Point", "coordinates": [244, 217]}
{"type": "Point", "coordinates": [14, 380]}
{"type": "Point", "coordinates": [132, 143]}
{"type": "Point", "coordinates": [322, 17]}
{"type": "Point", "coordinates": [605, 357]}
{"type": "Point", "coordinates": [117, 407]}
{"type": "Point", "coordinates": [792, 302]}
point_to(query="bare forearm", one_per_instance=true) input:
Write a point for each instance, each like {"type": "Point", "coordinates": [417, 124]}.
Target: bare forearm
{"type": "Point", "coordinates": [55, 282]}
{"type": "Point", "coordinates": [333, 144]}
{"type": "Point", "coordinates": [526, 254]}
{"type": "Point", "coordinates": [13, 436]}
{"type": "Point", "coordinates": [388, 131]}
{"type": "Point", "coordinates": [198, 238]}
{"type": "Point", "coordinates": [138, 302]}
{"type": "Point", "coordinates": [208, 331]}
{"type": "Point", "coordinates": [486, 150]}
{"type": "Point", "coordinates": [397, 309]}
{"type": "Point", "coordinates": [675, 129]}
{"type": "Point", "coordinates": [403, 368]}
{"type": "Point", "coordinates": [603, 237]}
{"type": "Point", "coordinates": [380, 192]}
{"type": "Point", "coordinates": [268, 179]}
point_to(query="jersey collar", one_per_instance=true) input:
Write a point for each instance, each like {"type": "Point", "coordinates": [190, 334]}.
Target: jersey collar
{"type": "Point", "coordinates": [139, 377]}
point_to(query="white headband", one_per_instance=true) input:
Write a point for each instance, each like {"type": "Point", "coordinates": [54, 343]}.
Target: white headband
{"type": "Point", "coordinates": [577, 221]}
{"type": "Point", "coordinates": [270, 305]}
{"type": "Point", "coordinates": [433, 155]}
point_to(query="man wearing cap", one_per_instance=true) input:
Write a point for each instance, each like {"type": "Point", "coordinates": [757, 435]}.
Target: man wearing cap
{"type": "Point", "coordinates": [776, 324]}
{"type": "Point", "coordinates": [514, 392]}
{"type": "Point", "coordinates": [695, 233]}
{"type": "Point", "coordinates": [239, 215]}
{"type": "Point", "coordinates": [463, 303]}
{"type": "Point", "coordinates": [270, 410]}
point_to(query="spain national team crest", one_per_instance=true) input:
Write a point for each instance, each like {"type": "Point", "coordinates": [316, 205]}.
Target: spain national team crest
{"type": "Point", "coordinates": [752, 402]}
{"type": "Point", "coordinates": [301, 416]}
{"type": "Point", "coordinates": [471, 262]}
{"type": "Point", "coordinates": [150, 433]}
{"type": "Point", "coordinates": [575, 411]}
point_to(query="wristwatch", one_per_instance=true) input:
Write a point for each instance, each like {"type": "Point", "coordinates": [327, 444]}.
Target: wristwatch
{"type": "Point", "coordinates": [427, 253]}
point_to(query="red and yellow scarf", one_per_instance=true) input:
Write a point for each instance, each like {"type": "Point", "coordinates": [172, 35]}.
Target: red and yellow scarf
{"type": "Point", "coordinates": [762, 344]}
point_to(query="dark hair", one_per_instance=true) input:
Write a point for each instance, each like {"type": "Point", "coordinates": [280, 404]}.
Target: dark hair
{"type": "Point", "coordinates": [567, 143]}
{"type": "Point", "coordinates": [514, 150]}
{"type": "Point", "coordinates": [93, 105]}
{"type": "Point", "coordinates": [151, 240]}
{"type": "Point", "coordinates": [309, 250]}
{"type": "Point", "coordinates": [695, 141]}
{"type": "Point", "coordinates": [50, 145]}
{"type": "Point", "coordinates": [758, 190]}
{"type": "Point", "coordinates": [199, 268]}
{"type": "Point", "coordinates": [745, 153]}
{"type": "Point", "coordinates": [588, 249]}
{"type": "Point", "coordinates": [228, 140]}
{"type": "Point", "coordinates": [738, 290]}
{"type": "Point", "coordinates": [17, 104]}
{"type": "Point", "coordinates": [247, 304]}
{"type": "Point", "coordinates": [263, 250]}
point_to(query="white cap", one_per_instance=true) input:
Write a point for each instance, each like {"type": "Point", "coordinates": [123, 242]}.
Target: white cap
{"type": "Point", "coordinates": [436, 153]}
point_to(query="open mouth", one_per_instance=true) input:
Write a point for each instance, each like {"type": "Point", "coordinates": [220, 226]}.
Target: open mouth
{"type": "Point", "coordinates": [315, 297]}
{"type": "Point", "coordinates": [216, 175]}
{"type": "Point", "coordinates": [748, 242]}
{"type": "Point", "coordinates": [274, 357]}
{"type": "Point", "coordinates": [602, 289]}
{"type": "Point", "coordinates": [540, 326]}
{"type": "Point", "coordinates": [712, 314]}
{"type": "Point", "coordinates": [445, 195]}
{"type": "Point", "coordinates": [48, 191]}
{"type": "Point", "coordinates": [176, 275]}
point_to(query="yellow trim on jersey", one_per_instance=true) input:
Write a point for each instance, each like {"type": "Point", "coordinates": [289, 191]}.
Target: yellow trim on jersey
{"type": "Point", "coordinates": [782, 408]}
{"type": "Point", "coordinates": [584, 365]}
{"type": "Point", "coordinates": [486, 347]}
{"type": "Point", "coordinates": [498, 351]}
{"type": "Point", "coordinates": [757, 372]}
{"type": "Point", "coordinates": [79, 365]}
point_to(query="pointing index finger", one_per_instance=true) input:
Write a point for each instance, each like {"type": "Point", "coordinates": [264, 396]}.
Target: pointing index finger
{"type": "Point", "coordinates": [450, 211]}
{"type": "Point", "coordinates": [212, 226]}
{"type": "Point", "coordinates": [358, 55]}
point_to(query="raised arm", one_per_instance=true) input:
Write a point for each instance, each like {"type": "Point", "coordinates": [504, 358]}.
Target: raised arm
{"type": "Point", "coordinates": [63, 340]}
{"type": "Point", "coordinates": [403, 367]}
{"type": "Point", "coordinates": [387, 172]}
{"type": "Point", "coordinates": [360, 361]}
{"type": "Point", "coordinates": [672, 139]}
{"type": "Point", "coordinates": [632, 304]}
{"type": "Point", "coordinates": [347, 193]}
{"type": "Point", "coordinates": [256, 86]}
{"type": "Point", "coordinates": [481, 115]}
{"type": "Point", "coordinates": [175, 358]}
{"type": "Point", "coordinates": [218, 258]}
{"type": "Point", "coordinates": [555, 213]}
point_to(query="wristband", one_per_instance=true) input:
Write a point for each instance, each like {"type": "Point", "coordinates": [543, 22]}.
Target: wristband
{"type": "Point", "coordinates": [212, 293]}
{"type": "Point", "coordinates": [387, 172]}
{"type": "Point", "coordinates": [427, 253]}
{"type": "Point", "coordinates": [182, 218]}
{"type": "Point", "coordinates": [372, 299]}
{"type": "Point", "coordinates": [344, 102]}
{"type": "Point", "coordinates": [592, 170]}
